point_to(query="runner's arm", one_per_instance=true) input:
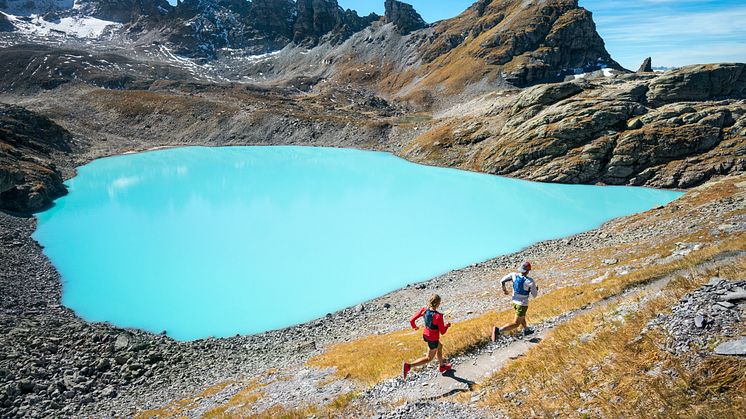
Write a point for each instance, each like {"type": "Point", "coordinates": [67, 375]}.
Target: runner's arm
{"type": "Point", "coordinates": [507, 278]}
{"type": "Point", "coordinates": [534, 289]}
{"type": "Point", "coordinates": [416, 316]}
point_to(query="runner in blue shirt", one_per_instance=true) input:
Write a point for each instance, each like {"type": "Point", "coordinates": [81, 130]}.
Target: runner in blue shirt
{"type": "Point", "coordinates": [523, 287]}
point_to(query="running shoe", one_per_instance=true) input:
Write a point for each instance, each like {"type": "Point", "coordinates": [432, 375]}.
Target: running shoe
{"type": "Point", "coordinates": [445, 367]}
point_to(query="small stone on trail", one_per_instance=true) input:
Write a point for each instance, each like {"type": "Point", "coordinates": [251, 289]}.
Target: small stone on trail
{"type": "Point", "coordinates": [733, 347]}
{"type": "Point", "coordinates": [610, 261]}
{"type": "Point", "coordinates": [122, 342]}
{"type": "Point", "coordinates": [699, 321]}
{"type": "Point", "coordinates": [714, 281]}
{"type": "Point", "coordinates": [737, 295]}
{"type": "Point", "coordinates": [725, 304]}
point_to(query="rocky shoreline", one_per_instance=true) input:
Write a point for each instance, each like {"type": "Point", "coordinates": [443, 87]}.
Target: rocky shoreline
{"type": "Point", "coordinates": [55, 364]}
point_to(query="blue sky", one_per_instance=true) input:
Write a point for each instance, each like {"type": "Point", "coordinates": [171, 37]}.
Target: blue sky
{"type": "Point", "coordinates": [673, 32]}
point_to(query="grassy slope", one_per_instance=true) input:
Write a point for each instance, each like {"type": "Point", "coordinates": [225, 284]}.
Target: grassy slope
{"type": "Point", "coordinates": [604, 364]}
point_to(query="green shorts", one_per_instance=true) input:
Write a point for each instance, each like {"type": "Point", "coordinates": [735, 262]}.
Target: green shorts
{"type": "Point", "coordinates": [520, 310]}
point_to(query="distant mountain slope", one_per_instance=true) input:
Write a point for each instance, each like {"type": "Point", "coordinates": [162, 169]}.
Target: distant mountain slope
{"type": "Point", "coordinates": [491, 45]}
{"type": "Point", "coordinates": [196, 28]}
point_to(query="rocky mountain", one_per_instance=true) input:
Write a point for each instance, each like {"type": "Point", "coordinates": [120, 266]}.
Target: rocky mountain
{"type": "Point", "coordinates": [197, 28]}
{"type": "Point", "coordinates": [491, 45]}
{"type": "Point", "coordinates": [29, 179]}
{"type": "Point", "coordinates": [675, 130]}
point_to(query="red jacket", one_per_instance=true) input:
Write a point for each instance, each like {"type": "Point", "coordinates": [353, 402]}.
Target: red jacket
{"type": "Point", "coordinates": [438, 327]}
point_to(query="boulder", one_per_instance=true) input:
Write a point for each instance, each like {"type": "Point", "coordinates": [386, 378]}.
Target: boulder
{"type": "Point", "coordinates": [736, 295]}
{"type": "Point", "coordinates": [733, 347]}
{"type": "Point", "coordinates": [122, 342]}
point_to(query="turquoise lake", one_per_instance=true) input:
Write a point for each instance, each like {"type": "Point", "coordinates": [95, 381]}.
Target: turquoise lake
{"type": "Point", "coordinates": [205, 242]}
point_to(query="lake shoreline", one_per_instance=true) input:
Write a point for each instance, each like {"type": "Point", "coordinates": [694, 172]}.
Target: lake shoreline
{"type": "Point", "coordinates": [322, 218]}
{"type": "Point", "coordinates": [101, 370]}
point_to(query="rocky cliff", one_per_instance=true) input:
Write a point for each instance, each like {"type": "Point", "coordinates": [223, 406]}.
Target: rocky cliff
{"type": "Point", "coordinates": [675, 130]}
{"type": "Point", "coordinates": [403, 16]}
{"type": "Point", "coordinates": [29, 180]}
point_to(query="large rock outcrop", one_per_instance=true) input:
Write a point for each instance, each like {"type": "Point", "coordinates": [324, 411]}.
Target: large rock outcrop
{"type": "Point", "coordinates": [625, 130]}
{"type": "Point", "coordinates": [701, 82]}
{"type": "Point", "coordinates": [29, 180]}
{"type": "Point", "coordinates": [324, 19]}
{"type": "Point", "coordinates": [403, 16]}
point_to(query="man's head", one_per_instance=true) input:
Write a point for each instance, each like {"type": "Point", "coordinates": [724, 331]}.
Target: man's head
{"type": "Point", "coordinates": [525, 267]}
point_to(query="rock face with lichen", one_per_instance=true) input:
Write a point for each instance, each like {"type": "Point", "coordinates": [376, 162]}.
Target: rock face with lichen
{"type": "Point", "coordinates": [29, 180]}
{"type": "Point", "coordinates": [675, 130]}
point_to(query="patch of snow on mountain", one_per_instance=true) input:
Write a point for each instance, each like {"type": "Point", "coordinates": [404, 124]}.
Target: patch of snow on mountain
{"type": "Point", "coordinates": [81, 27]}
{"type": "Point", "coordinates": [607, 72]}
{"type": "Point", "coordinates": [261, 57]}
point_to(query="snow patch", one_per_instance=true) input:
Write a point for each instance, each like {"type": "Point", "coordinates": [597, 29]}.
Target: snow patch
{"type": "Point", "coordinates": [261, 57]}
{"type": "Point", "coordinates": [607, 72]}
{"type": "Point", "coordinates": [81, 27]}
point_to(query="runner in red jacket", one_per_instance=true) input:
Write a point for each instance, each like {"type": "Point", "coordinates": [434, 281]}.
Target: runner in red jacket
{"type": "Point", "coordinates": [434, 327]}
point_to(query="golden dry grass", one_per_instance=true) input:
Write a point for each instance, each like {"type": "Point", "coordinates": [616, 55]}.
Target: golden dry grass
{"type": "Point", "coordinates": [377, 357]}
{"type": "Point", "coordinates": [179, 408]}
{"type": "Point", "coordinates": [336, 408]}
{"type": "Point", "coordinates": [239, 405]}
{"type": "Point", "coordinates": [599, 364]}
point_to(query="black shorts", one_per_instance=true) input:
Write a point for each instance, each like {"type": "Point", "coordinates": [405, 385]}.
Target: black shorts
{"type": "Point", "coordinates": [432, 344]}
